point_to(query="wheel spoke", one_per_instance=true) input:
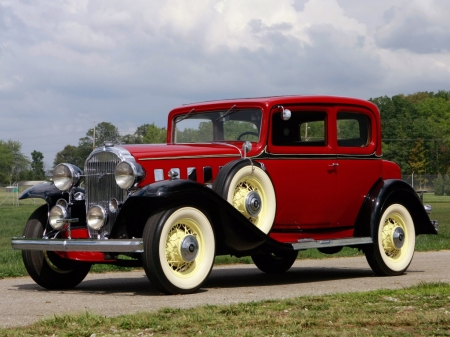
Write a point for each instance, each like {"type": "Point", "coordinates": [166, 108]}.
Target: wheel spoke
{"type": "Point", "coordinates": [173, 244]}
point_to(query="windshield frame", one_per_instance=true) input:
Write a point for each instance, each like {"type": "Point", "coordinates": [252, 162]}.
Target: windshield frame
{"type": "Point", "coordinates": [227, 125]}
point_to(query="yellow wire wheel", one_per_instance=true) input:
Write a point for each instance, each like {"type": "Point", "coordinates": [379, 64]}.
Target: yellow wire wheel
{"type": "Point", "coordinates": [180, 250]}
{"type": "Point", "coordinates": [395, 240]}
{"type": "Point", "coordinates": [396, 237]}
{"type": "Point", "coordinates": [251, 192]}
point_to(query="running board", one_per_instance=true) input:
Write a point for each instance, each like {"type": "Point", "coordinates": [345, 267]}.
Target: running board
{"type": "Point", "coordinates": [79, 245]}
{"type": "Point", "coordinates": [311, 243]}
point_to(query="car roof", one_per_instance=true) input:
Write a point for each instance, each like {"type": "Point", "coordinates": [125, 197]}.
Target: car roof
{"type": "Point", "coordinates": [290, 99]}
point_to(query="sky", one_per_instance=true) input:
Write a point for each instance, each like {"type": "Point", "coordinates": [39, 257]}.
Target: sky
{"type": "Point", "coordinates": [67, 65]}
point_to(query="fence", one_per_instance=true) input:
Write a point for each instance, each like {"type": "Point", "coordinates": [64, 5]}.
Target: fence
{"type": "Point", "coordinates": [9, 194]}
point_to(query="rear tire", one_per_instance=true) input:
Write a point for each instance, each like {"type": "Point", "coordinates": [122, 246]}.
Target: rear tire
{"type": "Point", "coordinates": [179, 250]}
{"type": "Point", "coordinates": [275, 263]}
{"type": "Point", "coordinates": [393, 250]}
{"type": "Point", "coordinates": [48, 269]}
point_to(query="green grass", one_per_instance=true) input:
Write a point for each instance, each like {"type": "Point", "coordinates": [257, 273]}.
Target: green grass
{"type": "Point", "coordinates": [13, 219]}
{"type": "Point", "coordinates": [423, 310]}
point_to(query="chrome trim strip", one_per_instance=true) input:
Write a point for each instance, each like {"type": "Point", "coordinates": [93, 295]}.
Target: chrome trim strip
{"type": "Point", "coordinates": [191, 157]}
{"type": "Point", "coordinates": [79, 245]}
{"type": "Point", "coordinates": [310, 243]}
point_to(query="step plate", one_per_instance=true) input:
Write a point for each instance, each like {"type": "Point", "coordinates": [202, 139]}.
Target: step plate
{"type": "Point", "coordinates": [311, 243]}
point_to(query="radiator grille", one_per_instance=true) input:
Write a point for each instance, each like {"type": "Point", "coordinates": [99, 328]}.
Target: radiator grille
{"type": "Point", "coordinates": [101, 186]}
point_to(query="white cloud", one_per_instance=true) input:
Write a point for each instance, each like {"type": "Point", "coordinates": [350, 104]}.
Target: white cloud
{"type": "Point", "coordinates": [65, 65]}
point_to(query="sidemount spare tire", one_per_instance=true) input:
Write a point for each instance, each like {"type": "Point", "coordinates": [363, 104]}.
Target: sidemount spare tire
{"type": "Point", "coordinates": [246, 186]}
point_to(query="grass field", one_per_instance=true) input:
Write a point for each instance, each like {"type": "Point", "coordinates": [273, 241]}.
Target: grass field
{"type": "Point", "coordinates": [423, 310]}
{"type": "Point", "coordinates": [13, 219]}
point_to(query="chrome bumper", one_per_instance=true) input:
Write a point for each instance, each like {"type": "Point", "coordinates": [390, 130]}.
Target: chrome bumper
{"type": "Point", "coordinates": [79, 245]}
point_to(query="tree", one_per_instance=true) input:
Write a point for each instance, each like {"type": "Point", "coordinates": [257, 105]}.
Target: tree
{"type": "Point", "coordinates": [12, 161]}
{"type": "Point", "coordinates": [139, 135]}
{"type": "Point", "coordinates": [72, 155]}
{"type": "Point", "coordinates": [418, 162]}
{"type": "Point", "coordinates": [154, 135]}
{"type": "Point", "coordinates": [103, 132]}
{"type": "Point", "coordinates": [37, 165]}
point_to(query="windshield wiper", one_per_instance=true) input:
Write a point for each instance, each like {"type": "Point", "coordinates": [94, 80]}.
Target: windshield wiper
{"type": "Point", "coordinates": [189, 114]}
{"type": "Point", "coordinates": [229, 112]}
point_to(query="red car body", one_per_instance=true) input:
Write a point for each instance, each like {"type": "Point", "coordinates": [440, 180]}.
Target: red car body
{"type": "Point", "coordinates": [320, 182]}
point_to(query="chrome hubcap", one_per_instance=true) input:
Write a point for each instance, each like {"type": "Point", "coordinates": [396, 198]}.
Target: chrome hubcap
{"type": "Point", "coordinates": [398, 237]}
{"type": "Point", "coordinates": [253, 203]}
{"type": "Point", "coordinates": [189, 248]}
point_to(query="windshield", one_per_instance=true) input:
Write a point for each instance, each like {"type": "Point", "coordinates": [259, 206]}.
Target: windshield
{"type": "Point", "coordinates": [220, 125]}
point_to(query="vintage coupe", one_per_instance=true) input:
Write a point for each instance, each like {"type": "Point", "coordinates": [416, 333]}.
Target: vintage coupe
{"type": "Point", "coordinates": [263, 177]}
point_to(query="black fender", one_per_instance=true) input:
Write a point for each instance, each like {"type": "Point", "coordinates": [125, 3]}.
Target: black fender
{"type": "Point", "coordinates": [47, 191]}
{"type": "Point", "coordinates": [383, 194]}
{"type": "Point", "coordinates": [233, 232]}
{"type": "Point", "coordinates": [51, 194]}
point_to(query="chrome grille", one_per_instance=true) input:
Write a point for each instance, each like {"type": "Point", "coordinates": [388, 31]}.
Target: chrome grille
{"type": "Point", "coordinates": [101, 185]}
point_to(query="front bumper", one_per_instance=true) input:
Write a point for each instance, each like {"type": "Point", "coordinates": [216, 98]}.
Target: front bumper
{"type": "Point", "coordinates": [79, 245]}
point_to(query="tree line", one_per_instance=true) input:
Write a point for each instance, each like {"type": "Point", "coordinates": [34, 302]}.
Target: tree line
{"type": "Point", "coordinates": [415, 134]}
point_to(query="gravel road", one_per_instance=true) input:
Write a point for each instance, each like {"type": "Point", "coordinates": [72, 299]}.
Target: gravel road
{"type": "Point", "coordinates": [23, 302]}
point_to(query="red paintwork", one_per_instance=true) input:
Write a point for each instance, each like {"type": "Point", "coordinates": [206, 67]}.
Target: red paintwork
{"type": "Point", "coordinates": [312, 193]}
{"type": "Point", "coordinates": [317, 198]}
{"type": "Point", "coordinates": [94, 257]}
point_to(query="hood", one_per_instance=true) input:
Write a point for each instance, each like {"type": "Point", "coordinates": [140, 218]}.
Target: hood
{"type": "Point", "coordinates": [169, 151]}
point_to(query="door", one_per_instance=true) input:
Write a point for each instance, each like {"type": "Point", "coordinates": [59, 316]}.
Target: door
{"type": "Point", "coordinates": [301, 162]}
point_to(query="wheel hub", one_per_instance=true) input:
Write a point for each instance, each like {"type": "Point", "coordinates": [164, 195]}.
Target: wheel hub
{"type": "Point", "coordinates": [253, 203]}
{"type": "Point", "coordinates": [398, 237]}
{"type": "Point", "coordinates": [189, 248]}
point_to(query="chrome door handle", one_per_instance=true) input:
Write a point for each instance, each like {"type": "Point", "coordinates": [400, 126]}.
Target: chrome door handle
{"type": "Point", "coordinates": [334, 165]}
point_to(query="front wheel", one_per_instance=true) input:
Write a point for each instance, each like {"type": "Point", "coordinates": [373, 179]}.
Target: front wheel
{"type": "Point", "coordinates": [48, 269]}
{"type": "Point", "coordinates": [393, 250]}
{"type": "Point", "coordinates": [275, 263]}
{"type": "Point", "coordinates": [179, 249]}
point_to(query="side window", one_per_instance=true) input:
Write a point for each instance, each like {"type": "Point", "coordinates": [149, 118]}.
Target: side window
{"type": "Point", "coordinates": [353, 129]}
{"type": "Point", "coordinates": [302, 129]}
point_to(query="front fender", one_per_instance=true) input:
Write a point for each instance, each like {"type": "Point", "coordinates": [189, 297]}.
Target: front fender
{"type": "Point", "coordinates": [47, 191]}
{"type": "Point", "coordinates": [233, 232]}
{"type": "Point", "coordinates": [383, 194]}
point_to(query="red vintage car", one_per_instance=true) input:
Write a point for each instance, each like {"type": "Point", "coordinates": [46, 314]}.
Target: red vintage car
{"type": "Point", "coordinates": [263, 177]}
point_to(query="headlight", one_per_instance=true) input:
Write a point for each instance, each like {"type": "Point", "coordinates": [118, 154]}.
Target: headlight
{"type": "Point", "coordinates": [65, 176]}
{"type": "Point", "coordinates": [96, 217]}
{"type": "Point", "coordinates": [127, 174]}
{"type": "Point", "coordinates": [57, 214]}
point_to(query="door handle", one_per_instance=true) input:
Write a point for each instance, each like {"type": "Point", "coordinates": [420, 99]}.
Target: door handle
{"type": "Point", "coordinates": [334, 165]}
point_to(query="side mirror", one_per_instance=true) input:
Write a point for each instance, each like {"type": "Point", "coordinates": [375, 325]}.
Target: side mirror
{"type": "Point", "coordinates": [246, 148]}
{"type": "Point", "coordinates": [285, 113]}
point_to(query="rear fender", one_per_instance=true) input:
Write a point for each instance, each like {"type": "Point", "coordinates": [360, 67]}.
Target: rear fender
{"type": "Point", "coordinates": [383, 194]}
{"type": "Point", "coordinates": [233, 232]}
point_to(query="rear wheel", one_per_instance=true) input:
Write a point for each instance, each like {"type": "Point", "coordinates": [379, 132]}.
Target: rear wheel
{"type": "Point", "coordinates": [48, 269]}
{"type": "Point", "coordinates": [179, 249]}
{"type": "Point", "coordinates": [393, 251]}
{"type": "Point", "coordinates": [275, 263]}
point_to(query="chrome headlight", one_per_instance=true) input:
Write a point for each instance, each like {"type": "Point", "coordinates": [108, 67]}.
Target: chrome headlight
{"type": "Point", "coordinates": [65, 176]}
{"type": "Point", "coordinates": [96, 217]}
{"type": "Point", "coordinates": [127, 174]}
{"type": "Point", "coordinates": [57, 214]}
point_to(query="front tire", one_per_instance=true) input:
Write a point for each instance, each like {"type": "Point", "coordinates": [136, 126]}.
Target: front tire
{"type": "Point", "coordinates": [275, 263]}
{"type": "Point", "coordinates": [393, 250]}
{"type": "Point", "coordinates": [249, 189]}
{"type": "Point", "coordinates": [48, 269]}
{"type": "Point", "coordinates": [179, 250]}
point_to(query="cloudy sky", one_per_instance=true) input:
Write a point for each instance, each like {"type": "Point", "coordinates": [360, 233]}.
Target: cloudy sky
{"type": "Point", "coordinates": [65, 65]}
